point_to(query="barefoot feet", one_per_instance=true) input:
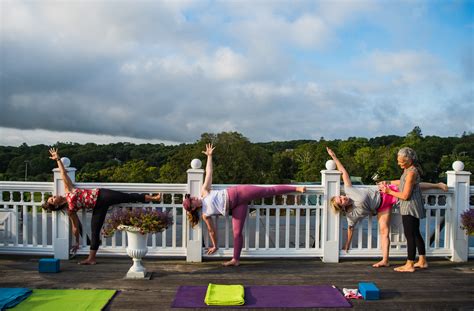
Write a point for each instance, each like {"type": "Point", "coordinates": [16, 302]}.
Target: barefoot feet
{"type": "Point", "coordinates": [421, 265]}
{"type": "Point", "coordinates": [88, 262]}
{"type": "Point", "coordinates": [405, 268]}
{"type": "Point", "coordinates": [156, 198]}
{"type": "Point", "coordinates": [443, 186]}
{"type": "Point", "coordinates": [381, 263]}
{"type": "Point", "coordinates": [232, 262]}
{"type": "Point", "coordinates": [301, 189]}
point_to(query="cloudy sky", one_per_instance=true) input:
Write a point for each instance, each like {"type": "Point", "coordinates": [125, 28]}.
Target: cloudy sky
{"type": "Point", "coordinates": [167, 71]}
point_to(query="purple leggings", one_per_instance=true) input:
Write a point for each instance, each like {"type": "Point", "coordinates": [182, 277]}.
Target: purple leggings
{"type": "Point", "coordinates": [239, 197]}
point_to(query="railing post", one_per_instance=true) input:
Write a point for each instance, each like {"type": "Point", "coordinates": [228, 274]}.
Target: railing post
{"type": "Point", "coordinates": [331, 181]}
{"type": "Point", "coordinates": [61, 219]}
{"type": "Point", "coordinates": [459, 180]}
{"type": "Point", "coordinates": [194, 235]}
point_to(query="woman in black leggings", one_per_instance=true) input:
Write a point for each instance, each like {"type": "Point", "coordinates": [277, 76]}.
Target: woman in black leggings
{"type": "Point", "coordinates": [98, 200]}
{"type": "Point", "coordinates": [411, 208]}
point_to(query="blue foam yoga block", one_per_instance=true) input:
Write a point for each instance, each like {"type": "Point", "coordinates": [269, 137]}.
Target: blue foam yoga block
{"type": "Point", "coordinates": [49, 265]}
{"type": "Point", "coordinates": [369, 291]}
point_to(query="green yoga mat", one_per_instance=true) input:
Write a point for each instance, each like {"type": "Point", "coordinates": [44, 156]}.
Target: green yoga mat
{"type": "Point", "coordinates": [66, 299]}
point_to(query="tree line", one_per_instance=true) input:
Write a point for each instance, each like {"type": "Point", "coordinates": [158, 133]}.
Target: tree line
{"type": "Point", "coordinates": [239, 161]}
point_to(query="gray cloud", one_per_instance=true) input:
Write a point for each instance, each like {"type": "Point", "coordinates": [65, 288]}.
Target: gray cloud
{"type": "Point", "coordinates": [170, 71]}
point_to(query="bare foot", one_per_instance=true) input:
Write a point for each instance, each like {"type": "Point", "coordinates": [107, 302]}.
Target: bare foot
{"type": "Point", "coordinates": [232, 262]}
{"type": "Point", "coordinates": [421, 265]}
{"type": "Point", "coordinates": [380, 264]}
{"type": "Point", "coordinates": [301, 189]}
{"type": "Point", "coordinates": [443, 186]}
{"type": "Point", "coordinates": [88, 262]}
{"type": "Point", "coordinates": [405, 268]}
{"type": "Point", "coordinates": [156, 198]}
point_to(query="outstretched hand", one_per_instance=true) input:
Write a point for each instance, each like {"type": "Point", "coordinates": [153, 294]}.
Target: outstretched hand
{"type": "Point", "coordinates": [74, 249]}
{"type": "Point", "coordinates": [211, 250]}
{"type": "Point", "coordinates": [331, 153]}
{"type": "Point", "coordinates": [209, 149]}
{"type": "Point", "coordinates": [54, 154]}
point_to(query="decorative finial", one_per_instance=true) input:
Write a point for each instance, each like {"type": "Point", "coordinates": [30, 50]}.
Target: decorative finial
{"type": "Point", "coordinates": [196, 163]}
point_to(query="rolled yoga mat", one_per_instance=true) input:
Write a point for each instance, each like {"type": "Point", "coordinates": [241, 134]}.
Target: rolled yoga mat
{"type": "Point", "coordinates": [10, 297]}
{"type": "Point", "coordinates": [288, 296]}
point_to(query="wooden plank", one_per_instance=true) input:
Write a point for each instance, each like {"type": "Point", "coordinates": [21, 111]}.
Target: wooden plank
{"type": "Point", "coordinates": [424, 291]}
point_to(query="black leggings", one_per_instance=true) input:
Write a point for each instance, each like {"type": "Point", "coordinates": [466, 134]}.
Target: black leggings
{"type": "Point", "coordinates": [411, 228]}
{"type": "Point", "coordinates": [107, 198]}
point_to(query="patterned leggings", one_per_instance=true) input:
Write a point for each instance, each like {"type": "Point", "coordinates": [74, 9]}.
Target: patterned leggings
{"type": "Point", "coordinates": [239, 197]}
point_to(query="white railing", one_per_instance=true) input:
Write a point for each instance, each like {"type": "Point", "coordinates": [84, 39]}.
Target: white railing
{"type": "Point", "coordinates": [293, 225]}
{"type": "Point", "coordinates": [471, 206]}
{"type": "Point", "coordinates": [26, 226]}
{"type": "Point", "coordinates": [435, 228]}
{"type": "Point", "coordinates": [171, 242]}
{"type": "Point", "coordinates": [281, 226]}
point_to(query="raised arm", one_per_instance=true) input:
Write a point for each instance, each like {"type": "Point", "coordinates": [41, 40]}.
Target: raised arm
{"type": "Point", "coordinates": [68, 185]}
{"type": "Point", "coordinates": [345, 175]}
{"type": "Point", "coordinates": [206, 186]}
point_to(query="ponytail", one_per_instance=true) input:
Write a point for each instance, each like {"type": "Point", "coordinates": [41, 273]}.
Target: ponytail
{"type": "Point", "coordinates": [193, 218]}
{"type": "Point", "coordinates": [54, 207]}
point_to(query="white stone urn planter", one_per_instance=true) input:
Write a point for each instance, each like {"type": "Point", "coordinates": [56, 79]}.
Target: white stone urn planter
{"type": "Point", "coordinates": [136, 249]}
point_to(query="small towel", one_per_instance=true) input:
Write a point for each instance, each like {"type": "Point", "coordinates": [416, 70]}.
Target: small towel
{"type": "Point", "coordinates": [224, 295]}
{"type": "Point", "coordinates": [351, 293]}
{"type": "Point", "coordinates": [10, 297]}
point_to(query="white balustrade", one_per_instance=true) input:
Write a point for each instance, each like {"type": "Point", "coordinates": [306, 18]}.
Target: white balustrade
{"type": "Point", "coordinates": [293, 225]}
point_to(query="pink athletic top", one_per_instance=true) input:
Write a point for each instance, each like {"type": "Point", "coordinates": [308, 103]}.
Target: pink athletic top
{"type": "Point", "coordinates": [82, 198]}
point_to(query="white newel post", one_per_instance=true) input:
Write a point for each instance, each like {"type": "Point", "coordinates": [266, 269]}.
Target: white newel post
{"type": "Point", "coordinates": [194, 235]}
{"type": "Point", "coordinates": [460, 181]}
{"type": "Point", "coordinates": [331, 181]}
{"type": "Point", "coordinates": [61, 242]}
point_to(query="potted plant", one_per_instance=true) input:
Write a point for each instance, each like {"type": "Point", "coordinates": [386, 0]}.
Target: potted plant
{"type": "Point", "coordinates": [137, 222]}
{"type": "Point", "coordinates": [467, 221]}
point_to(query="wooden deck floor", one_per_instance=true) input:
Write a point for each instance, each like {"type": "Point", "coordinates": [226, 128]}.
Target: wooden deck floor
{"type": "Point", "coordinates": [444, 286]}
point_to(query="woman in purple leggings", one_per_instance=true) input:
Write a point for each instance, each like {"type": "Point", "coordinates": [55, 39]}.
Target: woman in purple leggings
{"type": "Point", "coordinates": [219, 202]}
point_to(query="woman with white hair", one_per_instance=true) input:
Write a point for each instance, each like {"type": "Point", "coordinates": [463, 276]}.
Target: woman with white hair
{"type": "Point", "coordinates": [358, 203]}
{"type": "Point", "coordinates": [411, 207]}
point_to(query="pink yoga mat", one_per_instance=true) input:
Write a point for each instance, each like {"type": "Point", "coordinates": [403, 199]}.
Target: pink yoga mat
{"type": "Point", "coordinates": [318, 296]}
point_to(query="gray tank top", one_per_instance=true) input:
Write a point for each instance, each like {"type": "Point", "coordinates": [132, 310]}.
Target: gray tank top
{"type": "Point", "coordinates": [414, 204]}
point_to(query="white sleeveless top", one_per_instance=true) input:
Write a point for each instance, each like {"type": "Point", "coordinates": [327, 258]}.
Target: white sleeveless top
{"type": "Point", "coordinates": [215, 203]}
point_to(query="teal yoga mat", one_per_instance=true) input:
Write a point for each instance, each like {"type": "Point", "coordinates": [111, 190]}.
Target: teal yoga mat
{"type": "Point", "coordinates": [66, 299]}
{"type": "Point", "coordinates": [10, 297]}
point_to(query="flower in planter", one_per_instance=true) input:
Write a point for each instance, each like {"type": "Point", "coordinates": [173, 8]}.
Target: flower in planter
{"type": "Point", "coordinates": [143, 220]}
{"type": "Point", "coordinates": [467, 221]}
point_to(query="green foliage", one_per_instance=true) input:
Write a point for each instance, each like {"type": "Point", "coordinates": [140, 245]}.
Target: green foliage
{"type": "Point", "coordinates": [238, 161]}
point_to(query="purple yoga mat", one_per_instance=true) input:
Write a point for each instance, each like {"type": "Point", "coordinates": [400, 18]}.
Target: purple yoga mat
{"type": "Point", "coordinates": [318, 296]}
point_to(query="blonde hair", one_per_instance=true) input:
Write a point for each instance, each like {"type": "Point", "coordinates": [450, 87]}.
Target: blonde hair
{"type": "Point", "coordinates": [337, 208]}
